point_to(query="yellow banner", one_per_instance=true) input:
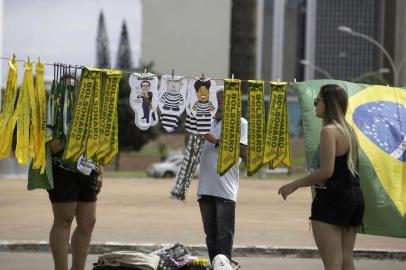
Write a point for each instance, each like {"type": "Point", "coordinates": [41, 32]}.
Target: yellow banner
{"type": "Point", "coordinates": [277, 148]}
{"type": "Point", "coordinates": [256, 126]}
{"type": "Point", "coordinates": [7, 116]}
{"type": "Point", "coordinates": [40, 160]}
{"type": "Point", "coordinates": [93, 141]}
{"type": "Point", "coordinates": [230, 127]}
{"type": "Point", "coordinates": [24, 146]}
{"type": "Point", "coordinates": [109, 108]}
{"type": "Point", "coordinates": [114, 142]}
{"type": "Point", "coordinates": [78, 131]}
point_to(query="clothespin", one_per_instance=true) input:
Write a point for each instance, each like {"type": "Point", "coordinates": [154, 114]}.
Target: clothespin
{"type": "Point", "coordinates": [14, 57]}
{"type": "Point", "coordinates": [28, 59]}
{"type": "Point", "coordinates": [294, 80]}
{"type": "Point", "coordinates": [232, 76]}
{"type": "Point", "coordinates": [39, 59]}
{"type": "Point", "coordinates": [173, 73]}
{"type": "Point", "coordinates": [145, 72]}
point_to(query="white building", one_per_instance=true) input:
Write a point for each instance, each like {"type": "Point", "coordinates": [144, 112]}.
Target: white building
{"type": "Point", "coordinates": [190, 36]}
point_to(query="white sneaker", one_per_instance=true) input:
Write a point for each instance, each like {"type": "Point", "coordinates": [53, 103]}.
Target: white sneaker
{"type": "Point", "coordinates": [221, 262]}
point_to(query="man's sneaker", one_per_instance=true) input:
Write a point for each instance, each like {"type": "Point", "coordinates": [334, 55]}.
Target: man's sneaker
{"type": "Point", "coordinates": [221, 262]}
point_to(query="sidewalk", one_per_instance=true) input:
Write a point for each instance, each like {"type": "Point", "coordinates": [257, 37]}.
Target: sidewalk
{"type": "Point", "coordinates": [43, 261]}
{"type": "Point", "coordinates": [139, 211]}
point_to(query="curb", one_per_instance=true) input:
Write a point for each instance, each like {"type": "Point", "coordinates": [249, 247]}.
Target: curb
{"type": "Point", "coordinates": [200, 250]}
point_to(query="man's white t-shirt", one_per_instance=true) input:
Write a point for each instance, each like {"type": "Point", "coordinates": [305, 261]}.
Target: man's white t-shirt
{"type": "Point", "coordinates": [210, 182]}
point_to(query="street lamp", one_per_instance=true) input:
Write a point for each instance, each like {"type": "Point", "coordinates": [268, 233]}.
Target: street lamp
{"type": "Point", "coordinates": [348, 30]}
{"type": "Point", "coordinates": [319, 69]}
{"type": "Point", "coordinates": [370, 73]}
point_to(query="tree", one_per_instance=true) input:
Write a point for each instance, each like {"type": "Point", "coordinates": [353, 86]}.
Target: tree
{"type": "Point", "coordinates": [243, 43]}
{"type": "Point", "coordinates": [124, 58]}
{"type": "Point", "coordinates": [102, 45]}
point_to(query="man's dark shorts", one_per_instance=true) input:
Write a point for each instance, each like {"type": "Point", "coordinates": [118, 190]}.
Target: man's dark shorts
{"type": "Point", "coordinates": [73, 186]}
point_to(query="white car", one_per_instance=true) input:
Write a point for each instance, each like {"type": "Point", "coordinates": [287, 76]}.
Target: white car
{"type": "Point", "coordinates": [168, 167]}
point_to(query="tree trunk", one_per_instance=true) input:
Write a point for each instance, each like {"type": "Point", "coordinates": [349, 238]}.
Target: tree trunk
{"type": "Point", "coordinates": [243, 47]}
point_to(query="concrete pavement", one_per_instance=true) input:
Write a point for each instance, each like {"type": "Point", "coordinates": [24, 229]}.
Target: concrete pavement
{"type": "Point", "coordinates": [139, 211]}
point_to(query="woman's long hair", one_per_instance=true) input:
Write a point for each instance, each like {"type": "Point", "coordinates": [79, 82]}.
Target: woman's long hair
{"type": "Point", "coordinates": [336, 102]}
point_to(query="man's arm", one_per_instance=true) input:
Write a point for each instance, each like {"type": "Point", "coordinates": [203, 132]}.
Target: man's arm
{"type": "Point", "coordinates": [243, 138]}
{"type": "Point", "coordinates": [243, 151]}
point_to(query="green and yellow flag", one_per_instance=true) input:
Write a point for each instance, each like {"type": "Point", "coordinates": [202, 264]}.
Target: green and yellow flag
{"type": "Point", "coordinates": [230, 128]}
{"type": "Point", "coordinates": [277, 140]}
{"type": "Point", "coordinates": [378, 116]}
{"type": "Point", "coordinates": [256, 126]}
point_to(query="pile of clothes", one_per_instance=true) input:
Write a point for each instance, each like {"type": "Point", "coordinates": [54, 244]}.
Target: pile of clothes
{"type": "Point", "coordinates": [174, 257]}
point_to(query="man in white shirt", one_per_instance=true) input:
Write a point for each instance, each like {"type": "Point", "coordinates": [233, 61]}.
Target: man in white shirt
{"type": "Point", "coordinates": [217, 194]}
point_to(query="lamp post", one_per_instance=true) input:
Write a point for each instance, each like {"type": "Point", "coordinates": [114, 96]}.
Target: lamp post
{"type": "Point", "coordinates": [348, 30]}
{"type": "Point", "coordinates": [317, 68]}
{"type": "Point", "coordinates": [369, 73]}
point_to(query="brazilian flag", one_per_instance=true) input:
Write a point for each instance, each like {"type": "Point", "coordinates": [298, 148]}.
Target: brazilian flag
{"type": "Point", "coordinates": [378, 116]}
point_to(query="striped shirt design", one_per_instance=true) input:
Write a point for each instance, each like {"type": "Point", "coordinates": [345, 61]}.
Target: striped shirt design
{"type": "Point", "coordinates": [172, 101]}
{"type": "Point", "coordinates": [169, 122]}
{"type": "Point", "coordinates": [203, 109]}
{"type": "Point", "coordinates": [191, 124]}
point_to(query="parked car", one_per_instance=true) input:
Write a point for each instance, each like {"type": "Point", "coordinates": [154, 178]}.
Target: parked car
{"type": "Point", "coordinates": [167, 168]}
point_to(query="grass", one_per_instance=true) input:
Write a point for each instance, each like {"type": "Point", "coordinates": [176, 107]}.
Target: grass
{"type": "Point", "coordinates": [126, 174]}
{"type": "Point", "coordinates": [243, 175]}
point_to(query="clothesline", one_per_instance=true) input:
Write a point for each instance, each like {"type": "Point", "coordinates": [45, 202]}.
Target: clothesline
{"type": "Point", "coordinates": [123, 71]}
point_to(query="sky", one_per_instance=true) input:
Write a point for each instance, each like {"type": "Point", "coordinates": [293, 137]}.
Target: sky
{"type": "Point", "coordinates": [65, 30]}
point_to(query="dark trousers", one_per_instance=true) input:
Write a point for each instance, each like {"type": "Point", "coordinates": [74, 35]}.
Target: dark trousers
{"type": "Point", "coordinates": [218, 216]}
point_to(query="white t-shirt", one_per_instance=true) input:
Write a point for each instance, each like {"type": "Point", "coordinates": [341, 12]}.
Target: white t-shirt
{"type": "Point", "coordinates": [210, 182]}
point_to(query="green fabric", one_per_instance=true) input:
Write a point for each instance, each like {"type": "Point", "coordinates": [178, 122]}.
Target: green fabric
{"type": "Point", "coordinates": [36, 180]}
{"type": "Point", "coordinates": [382, 176]}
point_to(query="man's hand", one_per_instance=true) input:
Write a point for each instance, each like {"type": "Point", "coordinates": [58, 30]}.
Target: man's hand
{"type": "Point", "coordinates": [211, 137]}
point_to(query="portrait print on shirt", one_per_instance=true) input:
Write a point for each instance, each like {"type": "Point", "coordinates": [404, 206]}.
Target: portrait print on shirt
{"type": "Point", "coordinates": [144, 99]}
{"type": "Point", "coordinates": [203, 103]}
{"type": "Point", "coordinates": [172, 100]}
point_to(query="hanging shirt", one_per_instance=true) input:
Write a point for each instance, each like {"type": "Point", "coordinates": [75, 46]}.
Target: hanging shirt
{"type": "Point", "coordinates": [210, 182]}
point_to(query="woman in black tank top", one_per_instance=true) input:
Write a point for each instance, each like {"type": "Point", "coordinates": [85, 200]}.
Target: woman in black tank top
{"type": "Point", "coordinates": [338, 207]}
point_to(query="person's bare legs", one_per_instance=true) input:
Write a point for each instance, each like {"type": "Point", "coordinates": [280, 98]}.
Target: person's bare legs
{"type": "Point", "coordinates": [60, 232]}
{"type": "Point", "coordinates": [348, 241]}
{"type": "Point", "coordinates": [328, 241]}
{"type": "Point", "coordinates": [85, 218]}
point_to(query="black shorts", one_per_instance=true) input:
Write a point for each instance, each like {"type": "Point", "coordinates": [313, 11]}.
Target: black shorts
{"type": "Point", "coordinates": [343, 208]}
{"type": "Point", "coordinates": [73, 186]}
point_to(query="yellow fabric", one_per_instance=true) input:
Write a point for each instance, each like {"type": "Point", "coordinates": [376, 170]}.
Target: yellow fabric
{"type": "Point", "coordinates": [230, 127]}
{"type": "Point", "coordinates": [7, 116]}
{"type": "Point", "coordinates": [34, 127]}
{"type": "Point", "coordinates": [109, 108]}
{"type": "Point", "coordinates": [277, 148]}
{"type": "Point", "coordinates": [42, 110]}
{"type": "Point", "coordinates": [24, 148]}
{"type": "Point", "coordinates": [114, 142]}
{"type": "Point", "coordinates": [256, 126]}
{"type": "Point", "coordinates": [76, 144]}
{"type": "Point", "coordinates": [93, 140]}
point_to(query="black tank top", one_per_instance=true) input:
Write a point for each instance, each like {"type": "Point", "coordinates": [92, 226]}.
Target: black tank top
{"type": "Point", "coordinates": [342, 178]}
